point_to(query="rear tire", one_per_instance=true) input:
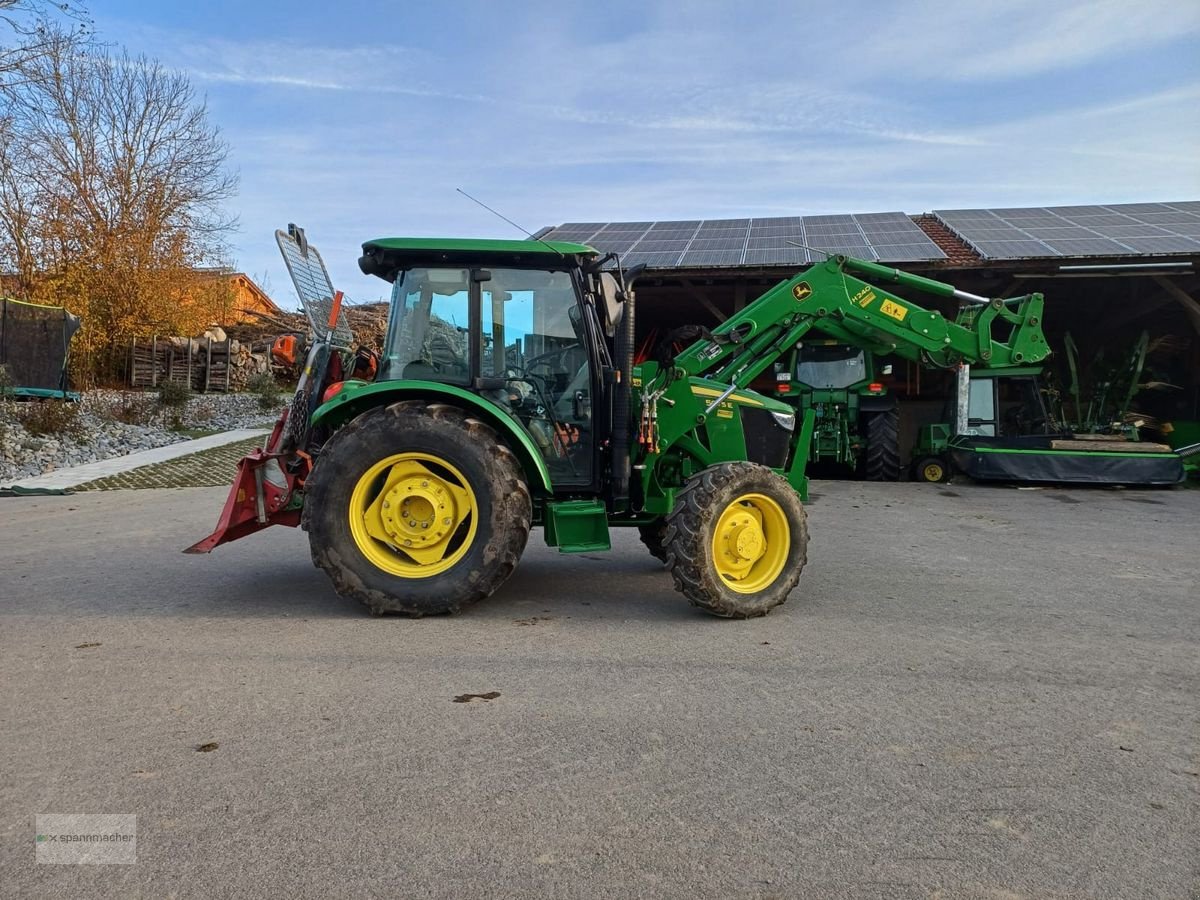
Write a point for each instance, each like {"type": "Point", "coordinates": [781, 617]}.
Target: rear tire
{"type": "Point", "coordinates": [420, 479]}
{"type": "Point", "coordinates": [882, 461]}
{"type": "Point", "coordinates": [654, 537]}
{"type": "Point", "coordinates": [737, 540]}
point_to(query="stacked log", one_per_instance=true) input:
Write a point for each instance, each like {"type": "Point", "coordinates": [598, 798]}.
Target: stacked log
{"type": "Point", "coordinates": [212, 362]}
{"type": "Point", "coordinates": [225, 359]}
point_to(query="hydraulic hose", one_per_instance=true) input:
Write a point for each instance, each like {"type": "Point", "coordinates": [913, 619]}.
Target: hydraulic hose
{"type": "Point", "coordinates": [622, 422]}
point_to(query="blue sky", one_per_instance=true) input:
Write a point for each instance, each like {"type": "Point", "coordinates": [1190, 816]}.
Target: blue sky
{"type": "Point", "coordinates": [359, 119]}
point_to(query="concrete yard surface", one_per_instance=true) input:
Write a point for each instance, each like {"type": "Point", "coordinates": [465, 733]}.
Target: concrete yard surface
{"type": "Point", "coordinates": [975, 692]}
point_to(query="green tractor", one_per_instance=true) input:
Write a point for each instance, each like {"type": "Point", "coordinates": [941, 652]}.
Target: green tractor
{"type": "Point", "coordinates": [857, 421]}
{"type": "Point", "coordinates": [506, 398]}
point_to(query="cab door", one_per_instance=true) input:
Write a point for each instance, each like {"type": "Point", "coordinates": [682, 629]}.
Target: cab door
{"type": "Point", "coordinates": [534, 351]}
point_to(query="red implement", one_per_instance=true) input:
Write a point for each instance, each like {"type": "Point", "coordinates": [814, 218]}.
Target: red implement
{"type": "Point", "coordinates": [261, 493]}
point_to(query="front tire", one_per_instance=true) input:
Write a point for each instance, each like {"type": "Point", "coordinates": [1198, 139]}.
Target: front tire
{"type": "Point", "coordinates": [417, 509]}
{"type": "Point", "coordinates": [737, 540]}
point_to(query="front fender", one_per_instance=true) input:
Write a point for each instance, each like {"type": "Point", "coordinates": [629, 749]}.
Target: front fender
{"type": "Point", "coordinates": [353, 400]}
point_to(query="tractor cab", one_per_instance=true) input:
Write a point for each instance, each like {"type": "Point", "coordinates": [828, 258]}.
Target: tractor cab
{"type": "Point", "coordinates": [522, 324]}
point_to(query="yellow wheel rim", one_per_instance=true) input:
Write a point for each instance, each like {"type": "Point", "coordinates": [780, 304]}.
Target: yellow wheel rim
{"type": "Point", "coordinates": [751, 543]}
{"type": "Point", "coordinates": [932, 471]}
{"type": "Point", "coordinates": [413, 515]}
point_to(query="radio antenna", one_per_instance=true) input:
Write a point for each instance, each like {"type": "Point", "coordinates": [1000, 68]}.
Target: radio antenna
{"type": "Point", "coordinates": [509, 221]}
{"type": "Point", "coordinates": [827, 254]}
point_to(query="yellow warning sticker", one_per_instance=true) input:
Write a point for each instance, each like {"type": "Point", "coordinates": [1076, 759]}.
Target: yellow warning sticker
{"type": "Point", "coordinates": [895, 310]}
{"type": "Point", "coordinates": [802, 291]}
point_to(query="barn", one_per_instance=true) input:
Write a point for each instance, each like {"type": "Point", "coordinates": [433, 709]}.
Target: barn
{"type": "Point", "coordinates": [1109, 273]}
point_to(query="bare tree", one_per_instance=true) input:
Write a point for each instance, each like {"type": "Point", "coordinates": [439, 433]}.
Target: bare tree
{"type": "Point", "coordinates": [111, 193]}
{"type": "Point", "coordinates": [31, 28]}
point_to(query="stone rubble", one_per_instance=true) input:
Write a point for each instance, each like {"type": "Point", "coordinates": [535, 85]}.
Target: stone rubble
{"type": "Point", "coordinates": [23, 455]}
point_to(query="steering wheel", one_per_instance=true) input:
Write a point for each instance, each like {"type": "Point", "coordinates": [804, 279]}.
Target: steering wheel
{"type": "Point", "coordinates": [544, 359]}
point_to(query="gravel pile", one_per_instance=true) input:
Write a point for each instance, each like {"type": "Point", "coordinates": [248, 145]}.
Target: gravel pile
{"type": "Point", "coordinates": [99, 433]}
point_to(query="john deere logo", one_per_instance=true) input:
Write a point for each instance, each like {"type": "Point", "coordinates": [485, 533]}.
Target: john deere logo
{"type": "Point", "coordinates": [802, 291]}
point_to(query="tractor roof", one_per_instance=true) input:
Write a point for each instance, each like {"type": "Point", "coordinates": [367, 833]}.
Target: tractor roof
{"type": "Point", "coordinates": [385, 256]}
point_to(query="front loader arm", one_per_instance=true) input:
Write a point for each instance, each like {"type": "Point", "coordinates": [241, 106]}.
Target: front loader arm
{"type": "Point", "coordinates": [826, 297]}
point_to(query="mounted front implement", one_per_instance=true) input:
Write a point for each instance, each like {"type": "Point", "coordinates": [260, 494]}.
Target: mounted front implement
{"type": "Point", "coordinates": [506, 397]}
{"type": "Point", "coordinates": [268, 488]}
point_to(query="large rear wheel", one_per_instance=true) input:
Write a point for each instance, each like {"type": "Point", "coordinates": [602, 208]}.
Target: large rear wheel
{"type": "Point", "coordinates": [736, 540]}
{"type": "Point", "coordinates": [417, 509]}
{"type": "Point", "coordinates": [882, 461]}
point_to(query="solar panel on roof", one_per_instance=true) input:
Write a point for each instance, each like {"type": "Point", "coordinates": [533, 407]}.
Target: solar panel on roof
{"type": "Point", "coordinates": [1135, 207]}
{"type": "Point", "coordinates": [1170, 217]}
{"type": "Point", "coordinates": [1001, 249]}
{"type": "Point", "coordinates": [651, 259]}
{"type": "Point", "coordinates": [773, 241]}
{"type": "Point", "coordinates": [765, 243]}
{"type": "Point", "coordinates": [1102, 219]}
{"type": "Point", "coordinates": [909, 252]}
{"type": "Point", "coordinates": [828, 220]}
{"type": "Point", "coordinates": [1095, 246]}
{"type": "Point", "coordinates": [1120, 232]}
{"type": "Point", "coordinates": [1108, 230]}
{"type": "Point", "coordinates": [777, 257]}
{"type": "Point", "coordinates": [716, 244]}
{"type": "Point", "coordinates": [712, 258]}
{"type": "Point", "coordinates": [647, 245]}
{"type": "Point", "coordinates": [1170, 244]}
{"type": "Point", "coordinates": [615, 246]}
{"type": "Point", "coordinates": [767, 231]}
{"type": "Point", "coordinates": [881, 217]}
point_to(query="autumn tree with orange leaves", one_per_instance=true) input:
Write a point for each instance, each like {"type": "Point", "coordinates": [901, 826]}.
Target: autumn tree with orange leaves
{"type": "Point", "coordinates": [112, 185]}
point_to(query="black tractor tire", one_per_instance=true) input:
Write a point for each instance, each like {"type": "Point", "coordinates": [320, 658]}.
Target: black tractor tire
{"type": "Point", "coordinates": [691, 527]}
{"type": "Point", "coordinates": [654, 537]}
{"type": "Point", "coordinates": [503, 507]}
{"type": "Point", "coordinates": [882, 459]}
{"type": "Point", "coordinates": [931, 470]}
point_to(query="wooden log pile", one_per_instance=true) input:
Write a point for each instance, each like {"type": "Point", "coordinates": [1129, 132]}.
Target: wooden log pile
{"type": "Point", "coordinates": [212, 362]}
{"type": "Point", "coordinates": [224, 359]}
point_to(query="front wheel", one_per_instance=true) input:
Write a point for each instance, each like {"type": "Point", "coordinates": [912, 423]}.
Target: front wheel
{"type": "Point", "coordinates": [736, 540]}
{"type": "Point", "coordinates": [930, 469]}
{"type": "Point", "coordinates": [417, 509]}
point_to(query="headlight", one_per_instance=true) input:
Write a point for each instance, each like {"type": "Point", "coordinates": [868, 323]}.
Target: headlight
{"type": "Point", "coordinates": [785, 420]}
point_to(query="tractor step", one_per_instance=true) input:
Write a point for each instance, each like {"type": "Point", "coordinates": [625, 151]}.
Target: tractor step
{"type": "Point", "coordinates": [576, 526]}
